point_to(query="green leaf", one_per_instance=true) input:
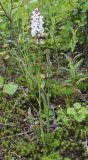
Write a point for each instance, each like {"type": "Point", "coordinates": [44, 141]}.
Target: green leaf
{"type": "Point", "coordinates": [1, 81]}
{"type": "Point", "coordinates": [71, 111]}
{"type": "Point", "coordinates": [77, 65]}
{"type": "Point", "coordinates": [79, 118]}
{"type": "Point", "coordinates": [82, 79]}
{"type": "Point", "coordinates": [6, 57]}
{"type": "Point", "coordinates": [77, 105]}
{"type": "Point", "coordinates": [83, 111]}
{"type": "Point", "coordinates": [10, 88]}
{"type": "Point", "coordinates": [3, 54]}
{"type": "Point", "coordinates": [85, 6]}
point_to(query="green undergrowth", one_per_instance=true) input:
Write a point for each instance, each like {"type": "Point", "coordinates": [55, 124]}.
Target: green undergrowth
{"type": "Point", "coordinates": [44, 87]}
{"type": "Point", "coordinates": [66, 139]}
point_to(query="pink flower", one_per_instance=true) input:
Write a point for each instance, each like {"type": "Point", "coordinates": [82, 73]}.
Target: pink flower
{"type": "Point", "coordinates": [37, 25]}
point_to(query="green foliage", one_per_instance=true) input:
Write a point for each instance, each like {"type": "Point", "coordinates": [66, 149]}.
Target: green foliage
{"type": "Point", "coordinates": [26, 149]}
{"type": "Point", "coordinates": [63, 119]}
{"type": "Point", "coordinates": [78, 112]}
{"type": "Point", "coordinates": [1, 81]}
{"type": "Point", "coordinates": [4, 55]}
{"type": "Point", "coordinates": [57, 89]}
{"type": "Point", "coordinates": [52, 156]}
{"type": "Point", "coordinates": [75, 77]}
{"type": "Point", "coordinates": [8, 156]}
{"type": "Point", "coordinates": [9, 88]}
{"type": "Point", "coordinates": [53, 133]}
{"type": "Point", "coordinates": [64, 21]}
{"type": "Point", "coordinates": [83, 86]}
{"type": "Point", "coordinates": [73, 68]}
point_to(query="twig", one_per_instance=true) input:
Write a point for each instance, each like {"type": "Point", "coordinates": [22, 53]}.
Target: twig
{"type": "Point", "coordinates": [18, 134]}
{"type": "Point", "coordinates": [7, 124]}
{"type": "Point", "coordinates": [6, 14]}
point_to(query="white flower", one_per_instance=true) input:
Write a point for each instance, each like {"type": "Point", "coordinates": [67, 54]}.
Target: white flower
{"type": "Point", "coordinates": [37, 25]}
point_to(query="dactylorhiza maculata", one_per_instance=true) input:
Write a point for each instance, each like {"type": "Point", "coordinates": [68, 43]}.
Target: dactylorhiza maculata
{"type": "Point", "coordinates": [37, 29]}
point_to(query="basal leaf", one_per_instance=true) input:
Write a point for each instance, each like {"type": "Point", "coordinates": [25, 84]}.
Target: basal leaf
{"type": "Point", "coordinates": [10, 88]}
{"type": "Point", "coordinates": [71, 111]}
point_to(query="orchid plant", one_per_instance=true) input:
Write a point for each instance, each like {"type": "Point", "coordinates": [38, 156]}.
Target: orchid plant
{"type": "Point", "coordinates": [37, 29]}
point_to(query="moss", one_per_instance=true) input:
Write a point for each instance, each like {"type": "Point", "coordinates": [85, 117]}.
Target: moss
{"type": "Point", "coordinates": [57, 89]}
{"type": "Point", "coordinates": [27, 149]}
